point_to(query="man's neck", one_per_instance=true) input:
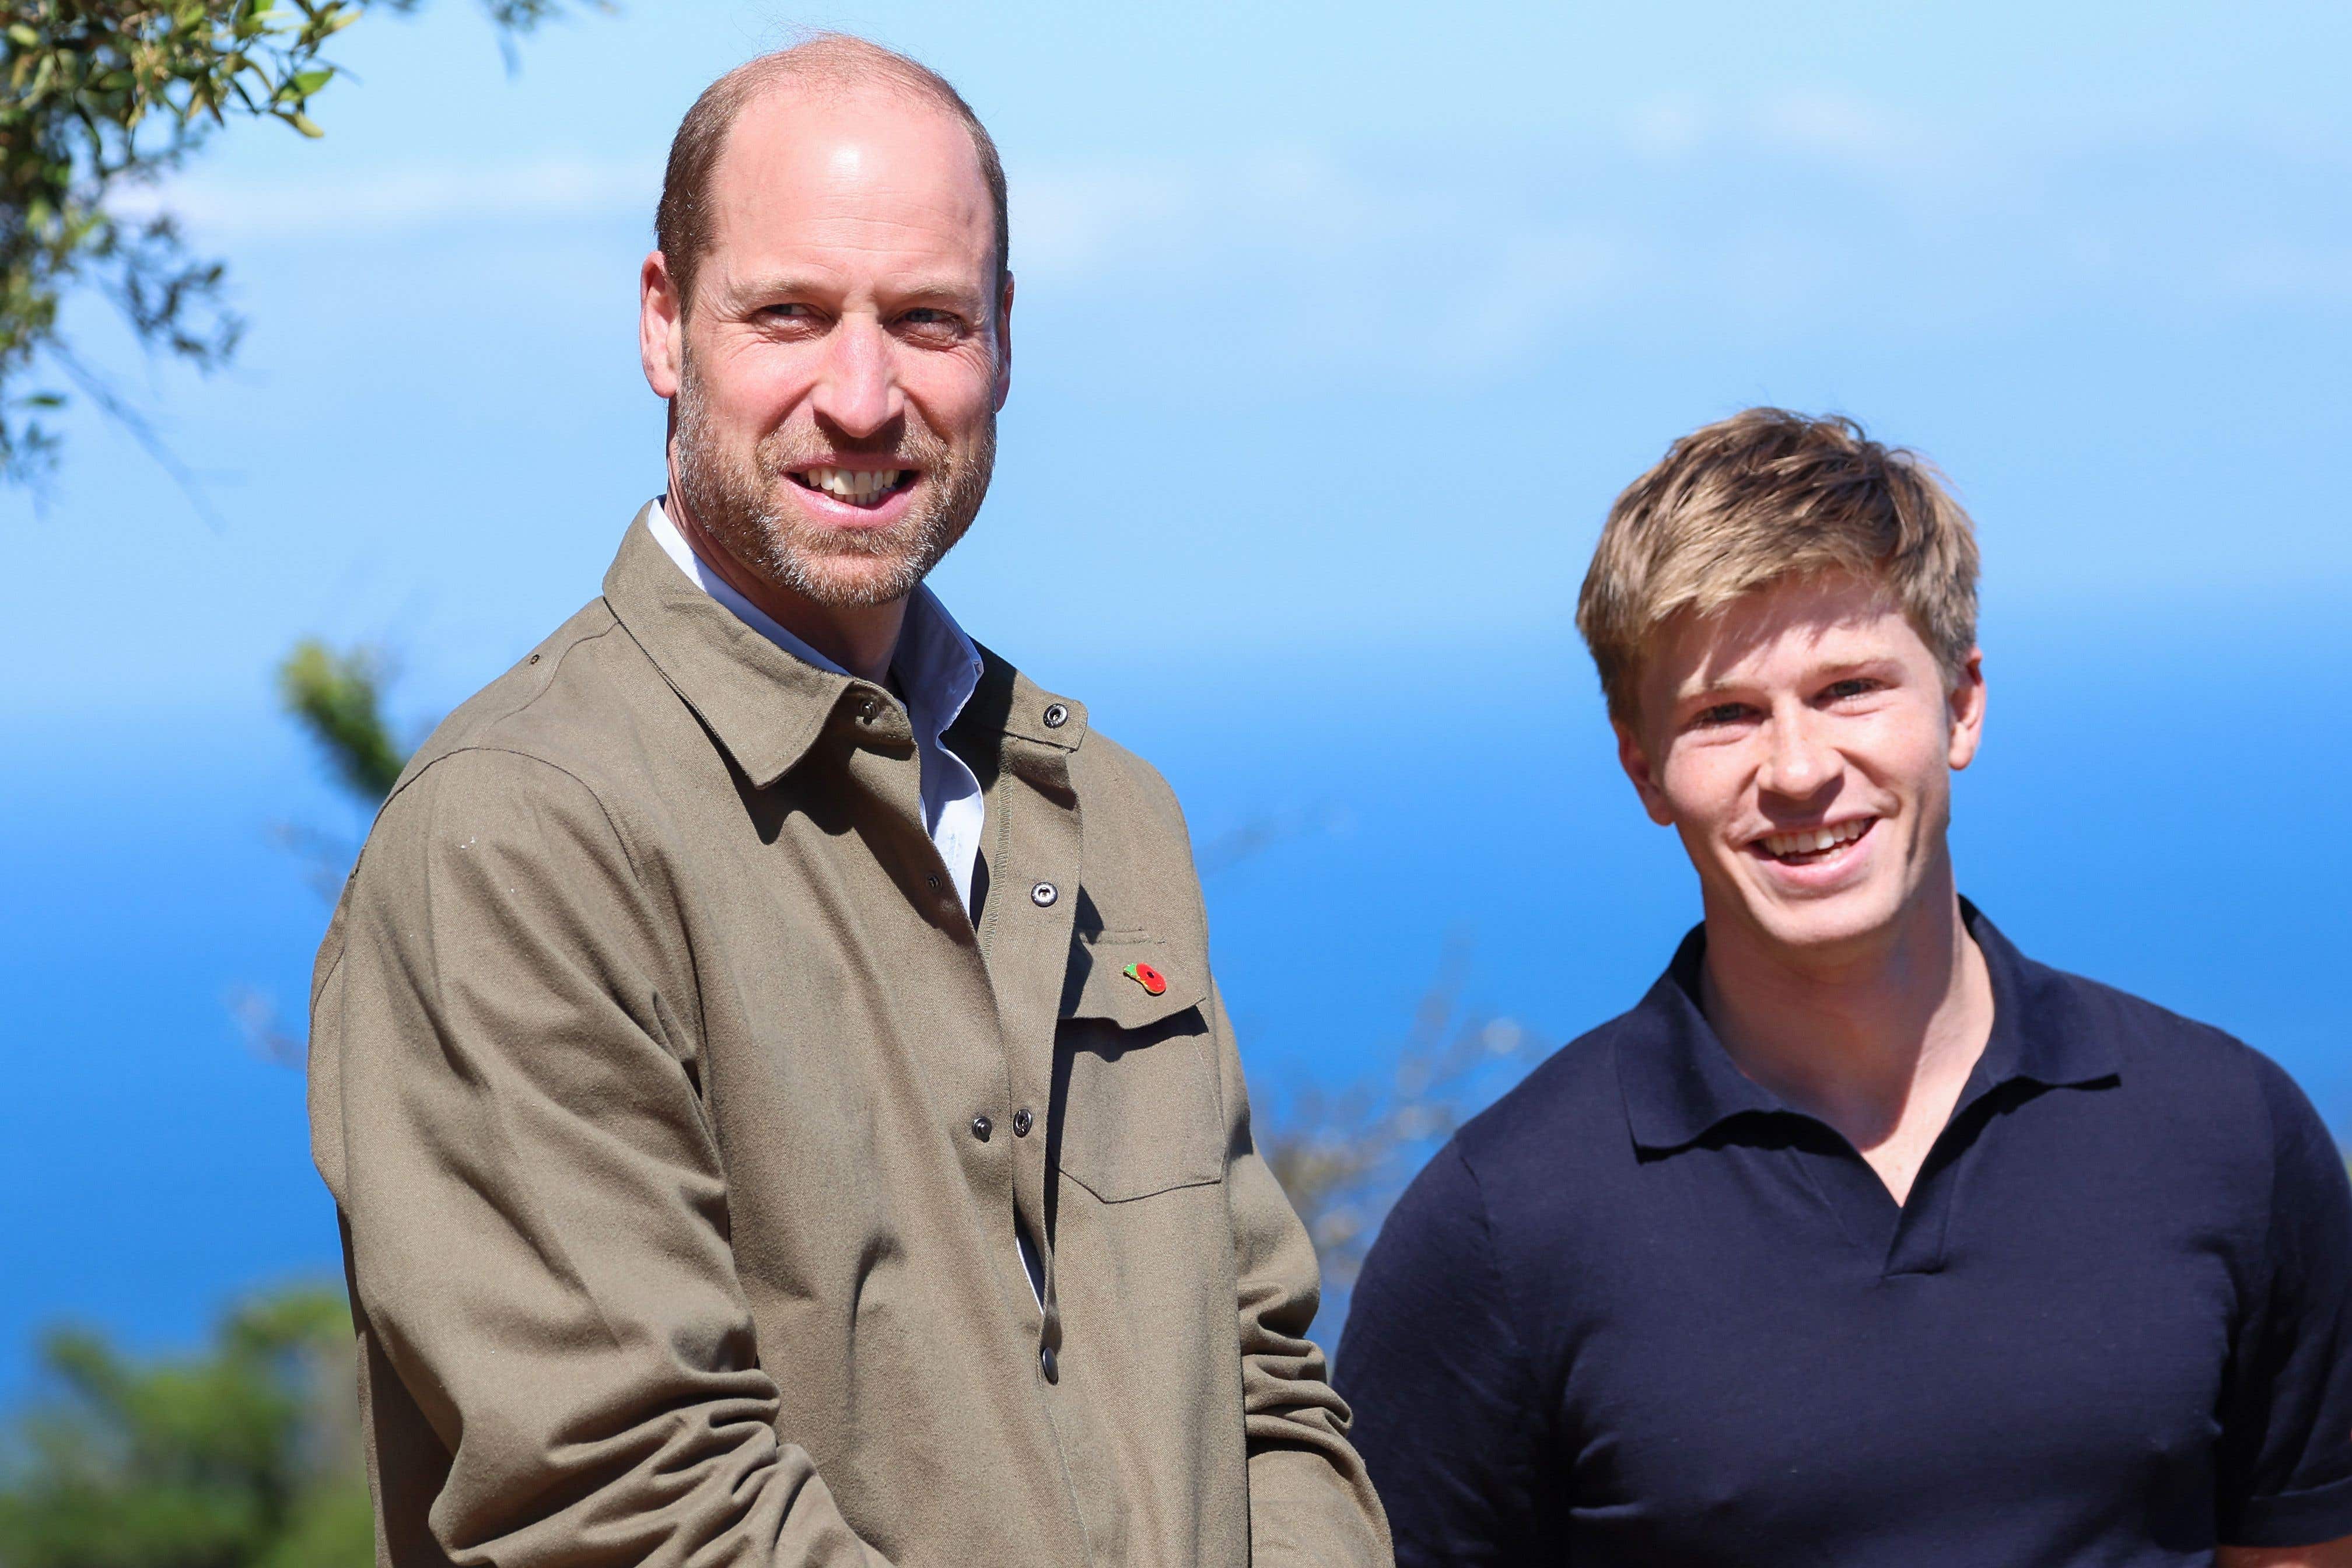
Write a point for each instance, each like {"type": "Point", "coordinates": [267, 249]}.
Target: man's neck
{"type": "Point", "coordinates": [861, 638]}
{"type": "Point", "coordinates": [1877, 1041]}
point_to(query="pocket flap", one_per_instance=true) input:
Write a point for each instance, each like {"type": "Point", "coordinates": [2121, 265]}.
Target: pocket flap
{"type": "Point", "coordinates": [1112, 977]}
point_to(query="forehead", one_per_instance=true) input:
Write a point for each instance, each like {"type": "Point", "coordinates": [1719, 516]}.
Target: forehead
{"type": "Point", "coordinates": [849, 178]}
{"type": "Point", "coordinates": [1783, 631]}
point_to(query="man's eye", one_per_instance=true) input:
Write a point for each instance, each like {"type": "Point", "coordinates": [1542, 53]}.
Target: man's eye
{"type": "Point", "coordinates": [1859, 686]}
{"type": "Point", "coordinates": [1721, 713]}
{"type": "Point", "coordinates": [932, 324]}
{"type": "Point", "coordinates": [792, 312]}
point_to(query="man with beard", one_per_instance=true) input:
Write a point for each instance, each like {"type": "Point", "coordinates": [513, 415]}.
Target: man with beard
{"type": "Point", "coordinates": [765, 1059]}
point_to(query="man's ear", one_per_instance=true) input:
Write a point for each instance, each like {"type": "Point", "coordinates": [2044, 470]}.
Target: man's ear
{"type": "Point", "coordinates": [661, 325]}
{"type": "Point", "coordinates": [1636, 763]}
{"type": "Point", "coordinates": [1968, 709]}
{"type": "Point", "coordinates": [1005, 344]}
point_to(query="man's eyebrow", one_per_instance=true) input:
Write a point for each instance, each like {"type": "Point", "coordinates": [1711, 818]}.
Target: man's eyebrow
{"type": "Point", "coordinates": [1825, 669]}
{"type": "Point", "coordinates": [1709, 688]}
{"type": "Point", "coordinates": [938, 291]}
{"type": "Point", "coordinates": [1831, 670]}
{"type": "Point", "coordinates": [807, 286]}
{"type": "Point", "coordinates": [1707, 696]}
{"type": "Point", "coordinates": [779, 282]}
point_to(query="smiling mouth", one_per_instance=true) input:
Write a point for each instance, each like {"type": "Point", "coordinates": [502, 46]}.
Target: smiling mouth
{"type": "Point", "coordinates": [855, 487]}
{"type": "Point", "coordinates": [1804, 846]}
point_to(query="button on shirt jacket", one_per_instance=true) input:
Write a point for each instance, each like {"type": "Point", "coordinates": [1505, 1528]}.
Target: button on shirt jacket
{"type": "Point", "coordinates": [935, 668]}
{"type": "Point", "coordinates": [1642, 1312]}
{"type": "Point", "coordinates": [680, 1118]}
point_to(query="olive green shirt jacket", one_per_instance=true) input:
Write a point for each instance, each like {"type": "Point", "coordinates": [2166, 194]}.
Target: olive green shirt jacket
{"type": "Point", "coordinates": [677, 1116]}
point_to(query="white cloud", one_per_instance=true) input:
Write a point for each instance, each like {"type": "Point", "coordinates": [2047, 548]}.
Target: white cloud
{"type": "Point", "coordinates": [1072, 218]}
{"type": "Point", "coordinates": [1843, 129]}
{"type": "Point", "coordinates": [2277, 269]}
{"type": "Point", "coordinates": [1669, 127]}
{"type": "Point", "coordinates": [401, 200]}
{"type": "Point", "coordinates": [1068, 220]}
{"type": "Point", "coordinates": [1688, 217]}
{"type": "Point", "coordinates": [1532, 288]}
{"type": "Point", "coordinates": [1694, 221]}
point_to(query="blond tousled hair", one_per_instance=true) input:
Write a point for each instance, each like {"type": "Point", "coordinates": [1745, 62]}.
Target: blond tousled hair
{"type": "Point", "coordinates": [1767, 495]}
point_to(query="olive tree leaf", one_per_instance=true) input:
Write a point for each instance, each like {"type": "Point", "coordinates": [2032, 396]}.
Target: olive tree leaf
{"type": "Point", "coordinates": [104, 98]}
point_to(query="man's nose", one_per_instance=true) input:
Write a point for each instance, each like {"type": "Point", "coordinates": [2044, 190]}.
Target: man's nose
{"type": "Point", "coordinates": [1798, 759]}
{"type": "Point", "coordinates": [858, 391]}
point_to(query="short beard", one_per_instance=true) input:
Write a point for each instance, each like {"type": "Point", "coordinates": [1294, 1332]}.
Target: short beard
{"type": "Point", "coordinates": [741, 505]}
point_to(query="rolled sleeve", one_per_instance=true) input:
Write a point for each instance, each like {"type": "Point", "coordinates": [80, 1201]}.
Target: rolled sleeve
{"type": "Point", "coordinates": [536, 1215]}
{"type": "Point", "coordinates": [2285, 1457]}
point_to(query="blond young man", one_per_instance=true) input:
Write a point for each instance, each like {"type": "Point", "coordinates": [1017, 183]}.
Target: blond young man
{"type": "Point", "coordinates": [1863, 1239]}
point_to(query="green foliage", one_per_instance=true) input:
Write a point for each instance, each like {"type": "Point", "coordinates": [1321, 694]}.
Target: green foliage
{"type": "Point", "coordinates": [242, 1456]}
{"type": "Point", "coordinates": [99, 98]}
{"type": "Point", "coordinates": [337, 698]}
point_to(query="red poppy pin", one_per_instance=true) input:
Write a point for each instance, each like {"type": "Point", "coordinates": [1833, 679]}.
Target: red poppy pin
{"type": "Point", "coordinates": [1150, 979]}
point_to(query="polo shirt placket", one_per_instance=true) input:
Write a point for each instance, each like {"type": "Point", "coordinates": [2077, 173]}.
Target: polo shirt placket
{"type": "Point", "coordinates": [1682, 1088]}
{"type": "Point", "coordinates": [1642, 1310]}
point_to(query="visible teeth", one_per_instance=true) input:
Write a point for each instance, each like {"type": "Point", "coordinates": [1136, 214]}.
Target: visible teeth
{"type": "Point", "coordinates": [859, 487]}
{"type": "Point", "coordinates": [1814, 840]}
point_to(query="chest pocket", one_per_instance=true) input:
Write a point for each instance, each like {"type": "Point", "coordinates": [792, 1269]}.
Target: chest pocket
{"type": "Point", "coordinates": [1136, 1105]}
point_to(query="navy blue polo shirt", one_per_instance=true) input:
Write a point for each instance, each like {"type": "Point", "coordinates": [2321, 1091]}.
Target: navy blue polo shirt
{"type": "Point", "coordinates": [1642, 1312]}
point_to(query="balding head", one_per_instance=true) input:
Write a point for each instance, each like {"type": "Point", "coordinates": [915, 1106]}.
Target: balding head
{"type": "Point", "coordinates": [826, 63]}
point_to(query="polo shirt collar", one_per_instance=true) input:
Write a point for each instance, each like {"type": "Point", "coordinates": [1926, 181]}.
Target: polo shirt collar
{"type": "Point", "coordinates": [2041, 1029]}
{"type": "Point", "coordinates": [1677, 1078]}
{"type": "Point", "coordinates": [1679, 1083]}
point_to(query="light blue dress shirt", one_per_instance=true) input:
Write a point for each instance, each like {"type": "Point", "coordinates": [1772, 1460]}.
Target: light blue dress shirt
{"type": "Point", "coordinates": [937, 667]}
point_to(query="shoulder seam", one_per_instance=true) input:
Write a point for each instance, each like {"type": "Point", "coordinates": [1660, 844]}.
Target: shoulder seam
{"type": "Point", "coordinates": [611, 623]}
{"type": "Point", "coordinates": [545, 683]}
{"type": "Point", "coordinates": [628, 848]}
{"type": "Point", "coordinates": [1503, 1295]}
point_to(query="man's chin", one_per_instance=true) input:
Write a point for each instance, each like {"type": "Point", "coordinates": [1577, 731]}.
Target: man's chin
{"type": "Point", "coordinates": [1823, 929]}
{"type": "Point", "coordinates": [846, 581]}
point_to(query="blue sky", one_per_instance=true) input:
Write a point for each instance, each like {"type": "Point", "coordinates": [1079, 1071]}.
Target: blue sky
{"type": "Point", "coordinates": [1339, 326]}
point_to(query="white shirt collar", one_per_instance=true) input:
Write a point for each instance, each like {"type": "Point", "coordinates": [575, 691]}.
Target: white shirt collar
{"type": "Point", "coordinates": [936, 664]}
